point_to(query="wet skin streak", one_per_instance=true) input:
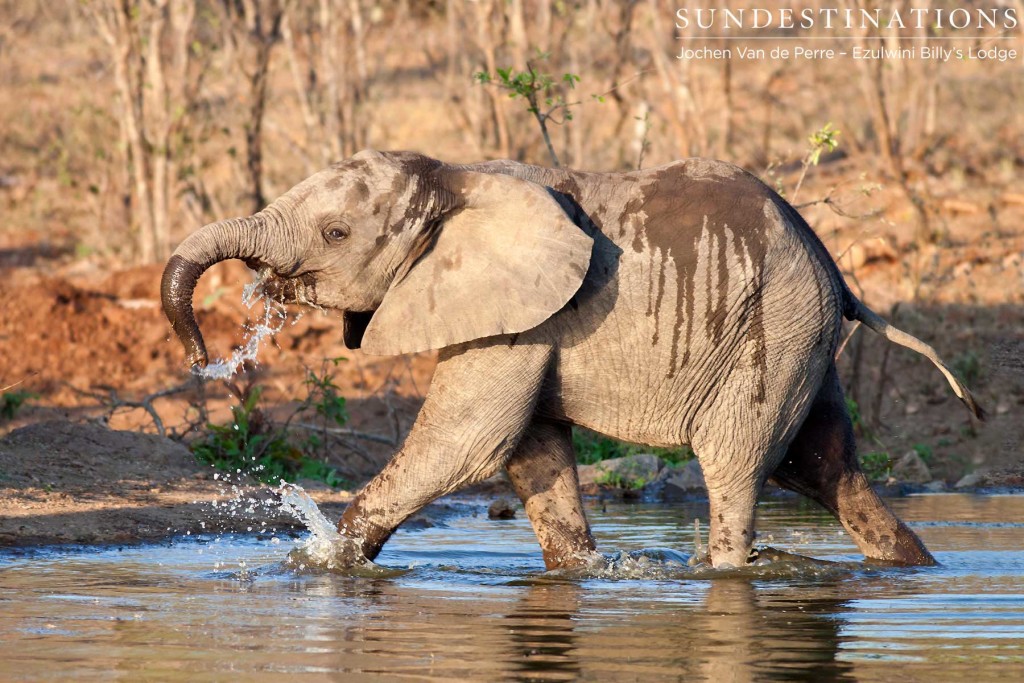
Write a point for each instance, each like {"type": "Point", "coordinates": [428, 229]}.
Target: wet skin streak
{"type": "Point", "coordinates": [676, 215]}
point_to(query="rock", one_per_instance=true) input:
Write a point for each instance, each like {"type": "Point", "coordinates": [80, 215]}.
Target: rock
{"type": "Point", "coordinates": [1007, 478]}
{"type": "Point", "coordinates": [912, 469]}
{"type": "Point", "coordinates": [686, 481]}
{"type": "Point", "coordinates": [970, 480]}
{"type": "Point", "coordinates": [503, 508]}
{"type": "Point", "coordinates": [630, 472]}
{"type": "Point", "coordinates": [418, 522]}
{"type": "Point", "coordinates": [937, 486]}
{"type": "Point", "coordinates": [586, 474]}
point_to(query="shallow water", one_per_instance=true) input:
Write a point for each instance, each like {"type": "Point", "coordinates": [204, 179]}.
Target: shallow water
{"type": "Point", "coordinates": [476, 605]}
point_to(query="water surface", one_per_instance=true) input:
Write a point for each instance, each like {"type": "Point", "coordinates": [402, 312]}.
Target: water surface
{"type": "Point", "coordinates": [476, 605]}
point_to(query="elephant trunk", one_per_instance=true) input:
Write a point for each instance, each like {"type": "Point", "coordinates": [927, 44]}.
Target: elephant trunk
{"type": "Point", "coordinates": [241, 238]}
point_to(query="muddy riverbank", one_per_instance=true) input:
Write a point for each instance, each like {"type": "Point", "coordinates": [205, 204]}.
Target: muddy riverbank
{"type": "Point", "coordinates": [81, 483]}
{"type": "Point", "coordinates": [62, 482]}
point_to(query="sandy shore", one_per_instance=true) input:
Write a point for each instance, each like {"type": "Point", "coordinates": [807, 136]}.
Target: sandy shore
{"type": "Point", "coordinates": [62, 482]}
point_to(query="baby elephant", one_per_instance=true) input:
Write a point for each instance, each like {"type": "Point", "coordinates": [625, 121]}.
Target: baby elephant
{"type": "Point", "coordinates": [685, 304]}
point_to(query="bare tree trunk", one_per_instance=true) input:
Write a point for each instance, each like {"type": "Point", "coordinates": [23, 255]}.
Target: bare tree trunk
{"type": "Point", "coordinates": [253, 28]}
{"type": "Point", "coordinates": [873, 87]}
{"type": "Point", "coordinates": [575, 132]}
{"type": "Point", "coordinates": [467, 103]}
{"type": "Point", "coordinates": [334, 95]}
{"type": "Point", "coordinates": [303, 93]}
{"type": "Point", "coordinates": [154, 104]}
{"type": "Point", "coordinates": [485, 40]}
{"type": "Point", "coordinates": [544, 25]}
{"type": "Point", "coordinates": [622, 39]}
{"type": "Point", "coordinates": [159, 127]}
{"type": "Point", "coordinates": [254, 125]}
{"type": "Point", "coordinates": [112, 20]}
{"type": "Point", "coordinates": [355, 124]}
{"type": "Point", "coordinates": [687, 124]}
{"type": "Point", "coordinates": [331, 65]}
{"type": "Point", "coordinates": [517, 32]}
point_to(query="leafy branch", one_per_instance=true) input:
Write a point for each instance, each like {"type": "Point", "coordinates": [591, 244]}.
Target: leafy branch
{"type": "Point", "coordinates": [826, 138]}
{"type": "Point", "coordinates": [539, 89]}
{"type": "Point", "coordinates": [536, 87]}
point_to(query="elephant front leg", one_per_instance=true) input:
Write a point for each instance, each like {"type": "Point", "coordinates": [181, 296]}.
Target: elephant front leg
{"type": "Point", "coordinates": [543, 472]}
{"type": "Point", "coordinates": [480, 401]}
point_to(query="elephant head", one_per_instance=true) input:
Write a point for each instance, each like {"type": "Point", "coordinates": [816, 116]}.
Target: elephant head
{"type": "Point", "coordinates": [415, 253]}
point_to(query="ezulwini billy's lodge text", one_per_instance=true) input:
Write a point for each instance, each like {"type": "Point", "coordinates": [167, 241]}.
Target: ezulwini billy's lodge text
{"type": "Point", "coordinates": [939, 53]}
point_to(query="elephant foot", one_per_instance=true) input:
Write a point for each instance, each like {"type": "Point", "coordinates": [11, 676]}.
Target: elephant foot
{"type": "Point", "coordinates": [757, 557]}
{"type": "Point", "coordinates": [766, 555]}
{"type": "Point", "coordinates": [583, 560]}
{"type": "Point", "coordinates": [339, 555]}
{"type": "Point", "coordinates": [881, 536]}
{"type": "Point", "coordinates": [701, 558]}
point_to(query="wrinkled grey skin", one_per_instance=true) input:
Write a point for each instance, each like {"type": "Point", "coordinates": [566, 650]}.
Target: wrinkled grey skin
{"type": "Point", "coordinates": [706, 312]}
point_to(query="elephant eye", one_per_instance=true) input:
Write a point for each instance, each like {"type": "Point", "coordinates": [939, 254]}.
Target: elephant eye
{"type": "Point", "coordinates": [335, 233]}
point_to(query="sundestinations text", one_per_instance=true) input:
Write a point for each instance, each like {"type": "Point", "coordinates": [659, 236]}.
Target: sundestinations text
{"type": "Point", "coordinates": [960, 18]}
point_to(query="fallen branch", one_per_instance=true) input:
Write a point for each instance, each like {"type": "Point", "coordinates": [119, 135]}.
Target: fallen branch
{"type": "Point", "coordinates": [11, 386]}
{"type": "Point", "coordinates": [344, 431]}
{"type": "Point", "coordinates": [109, 398]}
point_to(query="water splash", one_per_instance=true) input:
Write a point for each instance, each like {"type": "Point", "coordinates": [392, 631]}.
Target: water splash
{"type": "Point", "coordinates": [665, 564]}
{"type": "Point", "coordinates": [323, 537]}
{"type": "Point", "coordinates": [325, 549]}
{"type": "Point", "coordinates": [273, 320]}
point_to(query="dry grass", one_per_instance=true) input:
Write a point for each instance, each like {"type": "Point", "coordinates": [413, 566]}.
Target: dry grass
{"type": "Point", "coordinates": [948, 215]}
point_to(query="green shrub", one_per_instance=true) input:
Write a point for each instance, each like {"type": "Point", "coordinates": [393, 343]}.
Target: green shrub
{"type": "Point", "coordinates": [877, 465]}
{"type": "Point", "coordinates": [924, 451]}
{"type": "Point", "coordinates": [324, 396]}
{"type": "Point", "coordinates": [592, 448]}
{"type": "Point", "coordinates": [855, 417]}
{"type": "Point", "coordinates": [617, 480]}
{"type": "Point", "coordinates": [251, 444]}
{"type": "Point", "coordinates": [13, 401]}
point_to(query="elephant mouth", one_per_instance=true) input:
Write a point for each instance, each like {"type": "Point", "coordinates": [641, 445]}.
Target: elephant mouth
{"type": "Point", "coordinates": [355, 323]}
{"type": "Point", "coordinates": [291, 290]}
{"type": "Point", "coordinates": [302, 290]}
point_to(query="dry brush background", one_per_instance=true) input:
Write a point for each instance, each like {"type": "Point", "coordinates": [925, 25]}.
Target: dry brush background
{"type": "Point", "coordinates": [126, 124]}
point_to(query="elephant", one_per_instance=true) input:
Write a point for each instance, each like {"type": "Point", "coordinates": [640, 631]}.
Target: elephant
{"type": "Point", "coordinates": [683, 304]}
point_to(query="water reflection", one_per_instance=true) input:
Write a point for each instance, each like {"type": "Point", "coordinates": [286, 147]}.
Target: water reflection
{"type": "Point", "coordinates": [734, 630]}
{"type": "Point", "coordinates": [743, 636]}
{"type": "Point", "coordinates": [479, 608]}
{"type": "Point", "coordinates": [543, 643]}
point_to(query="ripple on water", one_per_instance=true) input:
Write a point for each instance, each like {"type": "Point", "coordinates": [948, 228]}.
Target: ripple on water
{"type": "Point", "coordinates": [472, 601]}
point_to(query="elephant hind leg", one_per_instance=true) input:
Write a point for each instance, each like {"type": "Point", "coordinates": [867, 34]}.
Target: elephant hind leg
{"type": "Point", "coordinates": [543, 472]}
{"type": "Point", "coordinates": [734, 471]}
{"type": "Point", "coordinates": [821, 463]}
{"type": "Point", "coordinates": [741, 444]}
{"type": "Point", "coordinates": [732, 523]}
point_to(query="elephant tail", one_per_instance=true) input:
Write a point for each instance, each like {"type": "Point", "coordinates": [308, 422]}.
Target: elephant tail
{"type": "Point", "coordinates": [856, 310]}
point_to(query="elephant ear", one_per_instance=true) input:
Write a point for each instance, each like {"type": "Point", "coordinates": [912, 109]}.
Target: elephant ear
{"type": "Point", "coordinates": [504, 261]}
